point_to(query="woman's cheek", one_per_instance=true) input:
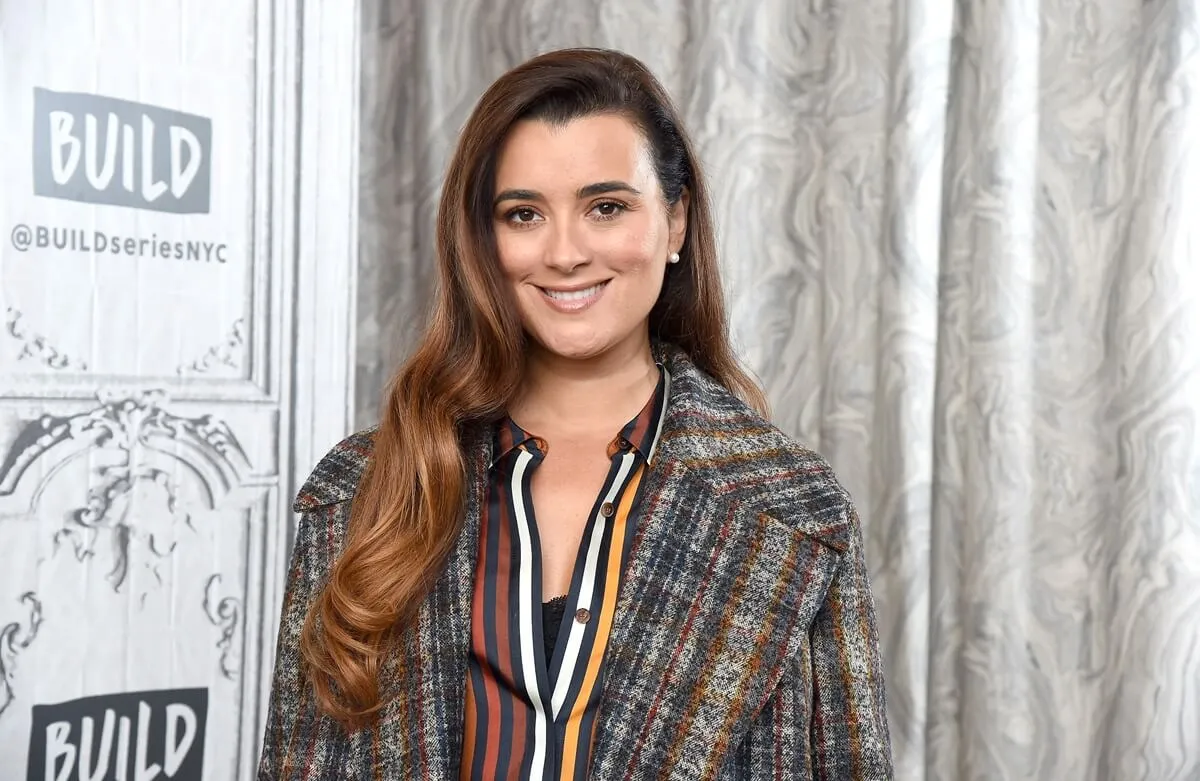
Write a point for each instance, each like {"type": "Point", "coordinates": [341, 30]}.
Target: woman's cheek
{"type": "Point", "coordinates": [635, 255]}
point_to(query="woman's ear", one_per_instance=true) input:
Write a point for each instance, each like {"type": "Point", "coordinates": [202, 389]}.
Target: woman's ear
{"type": "Point", "coordinates": [677, 221]}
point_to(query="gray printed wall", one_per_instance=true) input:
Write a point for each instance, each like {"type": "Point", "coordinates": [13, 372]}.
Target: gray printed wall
{"type": "Point", "coordinates": [168, 370]}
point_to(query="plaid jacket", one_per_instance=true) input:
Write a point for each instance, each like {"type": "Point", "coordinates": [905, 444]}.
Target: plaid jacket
{"type": "Point", "coordinates": [744, 645]}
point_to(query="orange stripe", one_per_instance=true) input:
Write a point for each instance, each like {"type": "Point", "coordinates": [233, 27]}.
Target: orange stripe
{"type": "Point", "coordinates": [596, 657]}
{"type": "Point", "coordinates": [468, 747]}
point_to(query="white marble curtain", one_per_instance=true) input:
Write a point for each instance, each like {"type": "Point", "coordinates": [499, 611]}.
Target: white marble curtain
{"type": "Point", "coordinates": [960, 245]}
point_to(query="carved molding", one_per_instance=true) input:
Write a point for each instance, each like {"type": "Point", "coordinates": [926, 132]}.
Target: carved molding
{"type": "Point", "coordinates": [225, 614]}
{"type": "Point", "coordinates": [36, 347]}
{"type": "Point", "coordinates": [126, 439]}
{"type": "Point", "coordinates": [228, 353]}
{"type": "Point", "coordinates": [109, 512]}
{"type": "Point", "coordinates": [15, 638]}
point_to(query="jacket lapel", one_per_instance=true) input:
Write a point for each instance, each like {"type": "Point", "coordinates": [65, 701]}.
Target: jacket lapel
{"type": "Point", "coordinates": [717, 597]}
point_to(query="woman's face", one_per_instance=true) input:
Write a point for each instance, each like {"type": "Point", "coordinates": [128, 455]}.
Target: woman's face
{"type": "Point", "coordinates": [583, 232]}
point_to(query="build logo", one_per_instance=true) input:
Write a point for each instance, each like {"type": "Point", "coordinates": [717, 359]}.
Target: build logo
{"type": "Point", "coordinates": [96, 149]}
{"type": "Point", "coordinates": [120, 737]}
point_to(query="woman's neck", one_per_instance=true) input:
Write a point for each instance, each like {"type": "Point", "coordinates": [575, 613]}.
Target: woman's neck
{"type": "Point", "coordinates": [568, 395]}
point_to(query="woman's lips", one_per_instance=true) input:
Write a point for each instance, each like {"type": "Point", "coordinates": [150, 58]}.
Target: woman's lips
{"type": "Point", "coordinates": [571, 301]}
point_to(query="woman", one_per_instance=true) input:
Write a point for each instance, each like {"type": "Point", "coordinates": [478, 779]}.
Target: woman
{"type": "Point", "coordinates": [573, 548]}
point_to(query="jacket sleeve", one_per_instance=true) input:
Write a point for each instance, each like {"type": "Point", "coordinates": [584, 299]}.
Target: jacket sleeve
{"type": "Point", "coordinates": [826, 719]}
{"type": "Point", "coordinates": [848, 730]}
{"type": "Point", "coordinates": [299, 744]}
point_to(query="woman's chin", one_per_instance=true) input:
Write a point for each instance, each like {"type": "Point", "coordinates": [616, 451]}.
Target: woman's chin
{"type": "Point", "coordinates": [574, 351]}
{"type": "Point", "coordinates": [574, 347]}
{"type": "Point", "coordinates": [585, 342]}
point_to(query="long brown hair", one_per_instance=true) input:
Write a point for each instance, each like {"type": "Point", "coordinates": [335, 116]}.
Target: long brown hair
{"type": "Point", "coordinates": [407, 511]}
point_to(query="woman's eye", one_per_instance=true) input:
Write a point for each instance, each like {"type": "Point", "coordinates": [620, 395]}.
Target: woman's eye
{"type": "Point", "coordinates": [522, 215]}
{"type": "Point", "coordinates": [609, 209]}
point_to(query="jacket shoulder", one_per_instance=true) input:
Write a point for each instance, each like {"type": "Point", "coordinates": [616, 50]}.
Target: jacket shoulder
{"type": "Point", "coordinates": [336, 476]}
{"type": "Point", "coordinates": [749, 460]}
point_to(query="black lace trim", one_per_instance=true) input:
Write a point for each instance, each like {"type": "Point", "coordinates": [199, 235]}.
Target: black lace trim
{"type": "Point", "coordinates": [552, 614]}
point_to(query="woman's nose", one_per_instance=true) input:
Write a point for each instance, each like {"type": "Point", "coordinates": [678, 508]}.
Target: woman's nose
{"type": "Point", "coordinates": [568, 250]}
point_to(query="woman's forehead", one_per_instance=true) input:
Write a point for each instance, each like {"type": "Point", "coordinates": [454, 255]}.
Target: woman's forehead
{"type": "Point", "coordinates": [566, 156]}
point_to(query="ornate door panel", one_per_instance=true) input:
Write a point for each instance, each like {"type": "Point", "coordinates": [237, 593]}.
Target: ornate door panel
{"type": "Point", "coordinates": [172, 359]}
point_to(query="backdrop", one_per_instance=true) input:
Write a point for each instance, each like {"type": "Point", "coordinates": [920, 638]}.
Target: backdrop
{"type": "Point", "coordinates": [177, 260]}
{"type": "Point", "coordinates": [960, 247]}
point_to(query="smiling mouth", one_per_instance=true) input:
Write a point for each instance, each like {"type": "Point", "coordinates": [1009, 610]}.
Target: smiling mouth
{"type": "Point", "coordinates": [571, 301]}
{"type": "Point", "coordinates": [574, 295]}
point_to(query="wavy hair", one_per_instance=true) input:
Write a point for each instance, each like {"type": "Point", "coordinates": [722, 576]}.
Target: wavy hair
{"type": "Point", "coordinates": [407, 511]}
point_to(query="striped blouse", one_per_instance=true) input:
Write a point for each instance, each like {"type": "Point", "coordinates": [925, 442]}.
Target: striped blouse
{"type": "Point", "coordinates": [528, 716]}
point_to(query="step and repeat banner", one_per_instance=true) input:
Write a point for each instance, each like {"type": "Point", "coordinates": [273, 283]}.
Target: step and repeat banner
{"type": "Point", "coordinates": [155, 409]}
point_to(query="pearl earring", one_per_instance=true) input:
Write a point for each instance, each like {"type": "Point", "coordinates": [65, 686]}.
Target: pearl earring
{"type": "Point", "coordinates": [673, 257]}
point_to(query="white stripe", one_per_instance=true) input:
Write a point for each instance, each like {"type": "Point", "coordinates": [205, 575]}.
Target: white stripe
{"type": "Point", "coordinates": [525, 606]}
{"type": "Point", "coordinates": [566, 673]}
{"type": "Point", "coordinates": [662, 415]}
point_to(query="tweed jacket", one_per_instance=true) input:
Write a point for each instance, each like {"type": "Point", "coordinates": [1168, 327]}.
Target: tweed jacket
{"type": "Point", "coordinates": [744, 644]}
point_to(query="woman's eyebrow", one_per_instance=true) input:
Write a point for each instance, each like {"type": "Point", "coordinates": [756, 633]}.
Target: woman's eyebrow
{"type": "Point", "coordinates": [599, 188]}
{"type": "Point", "coordinates": [587, 191]}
